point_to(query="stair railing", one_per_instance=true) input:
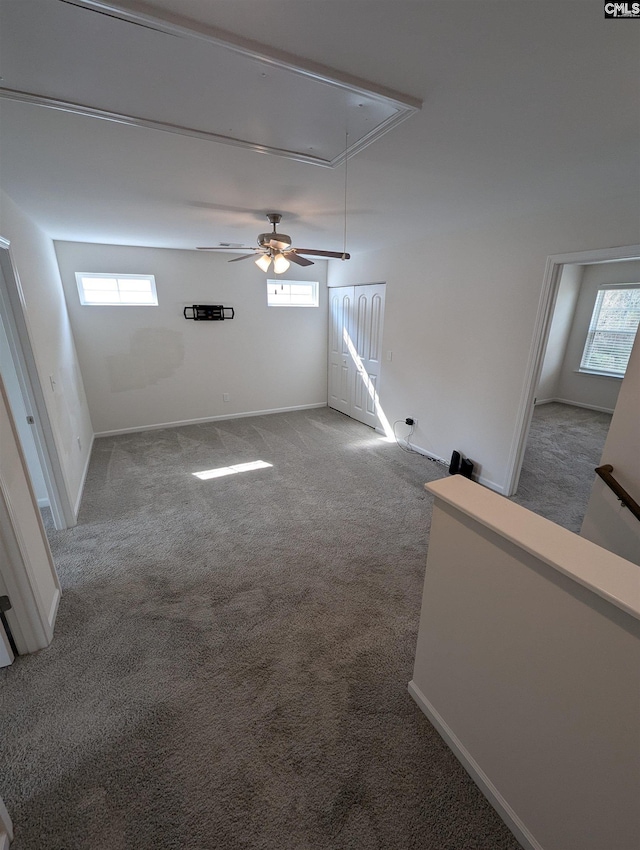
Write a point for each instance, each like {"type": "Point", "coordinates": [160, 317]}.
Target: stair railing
{"type": "Point", "coordinates": [605, 472]}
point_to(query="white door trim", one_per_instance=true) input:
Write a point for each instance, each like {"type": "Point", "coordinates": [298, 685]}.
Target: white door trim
{"type": "Point", "coordinates": [11, 304]}
{"type": "Point", "coordinates": [31, 625]}
{"type": "Point", "coordinates": [546, 306]}
{"type": "Point", "coordinates": [6, 653]}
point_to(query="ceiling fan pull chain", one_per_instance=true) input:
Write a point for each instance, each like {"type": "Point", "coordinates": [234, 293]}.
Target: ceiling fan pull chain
{"type": "Point", "coordinates": [346, 159]}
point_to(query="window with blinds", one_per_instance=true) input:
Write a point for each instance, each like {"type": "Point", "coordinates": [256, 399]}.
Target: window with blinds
{"type": "Point", "coordinates": [612, 330]}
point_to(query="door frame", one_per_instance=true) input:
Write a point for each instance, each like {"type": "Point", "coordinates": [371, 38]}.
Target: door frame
{"type": "Point", "coordinates": [30, 623]}
{"type": "Point", "coordinates": [12, 308]}
{"type": "Point", "coordinates": [6, 827]}
{"type": "Point", "coordinates": [551, 283]}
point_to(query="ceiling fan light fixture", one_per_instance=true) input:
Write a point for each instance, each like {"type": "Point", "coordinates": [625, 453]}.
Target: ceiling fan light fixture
{"type": "Point", "coordinates": [264, 261]}
{"type": "Point", "coordinates": [280, 263]}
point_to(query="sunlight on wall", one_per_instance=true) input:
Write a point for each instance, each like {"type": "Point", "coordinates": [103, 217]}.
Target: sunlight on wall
{"type": "Point", "coordinates": [231, 470]}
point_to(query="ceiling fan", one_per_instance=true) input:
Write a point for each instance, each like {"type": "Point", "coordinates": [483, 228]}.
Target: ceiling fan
{"type": "Point", "coordinates": [276, 247]}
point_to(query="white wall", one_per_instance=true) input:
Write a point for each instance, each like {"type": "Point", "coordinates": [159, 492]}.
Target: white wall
{"type": "Point", "coordinates": [565, 306]}
{"type": "Point", "coordinates": [459, 320]}
{"type": "Point", "coordinates": [148, 366]}
{"type": "Point", "coordinates": [606, 521]}
{"type": "Point", "coordinates": [599, 391]}
{"type": "Point", "coordinates": [527, 662]}
{"type": "Point", "coordinates": [52, 342]}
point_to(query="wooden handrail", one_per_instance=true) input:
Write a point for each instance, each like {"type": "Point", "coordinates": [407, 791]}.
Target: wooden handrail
{"type": "Point", "coordinates": [628, 501]}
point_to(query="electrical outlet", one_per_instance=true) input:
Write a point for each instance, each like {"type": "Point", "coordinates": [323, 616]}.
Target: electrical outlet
{"type": "Point", "coordinates": [225, 396]}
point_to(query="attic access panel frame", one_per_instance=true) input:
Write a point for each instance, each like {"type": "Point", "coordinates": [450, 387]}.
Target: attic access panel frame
{"type": "Point", "coordinates": [290, 107]}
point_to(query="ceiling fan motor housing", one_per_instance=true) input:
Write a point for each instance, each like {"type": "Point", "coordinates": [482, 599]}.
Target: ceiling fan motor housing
{"type": "Point", "coordinates": [280, 241]}
{"type": "Point", "coordinates": [274, 240]}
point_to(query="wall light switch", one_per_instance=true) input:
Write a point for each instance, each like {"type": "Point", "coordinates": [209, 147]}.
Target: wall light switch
{"type": "Point", "coordinates": [389, 355]}
{"type": "Point", "coordinates": [225, 396]}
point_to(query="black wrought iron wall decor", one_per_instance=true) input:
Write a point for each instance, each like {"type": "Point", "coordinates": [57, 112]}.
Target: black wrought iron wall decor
{"type": "Point", "coordinates": [209, 312]}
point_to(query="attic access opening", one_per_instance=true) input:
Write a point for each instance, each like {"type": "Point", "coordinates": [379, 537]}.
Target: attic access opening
{"type": "Point", "coordinates": [270, 101]}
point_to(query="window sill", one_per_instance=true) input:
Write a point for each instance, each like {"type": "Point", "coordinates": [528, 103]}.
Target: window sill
{"type": "Point", "coordinates": [598, 374]}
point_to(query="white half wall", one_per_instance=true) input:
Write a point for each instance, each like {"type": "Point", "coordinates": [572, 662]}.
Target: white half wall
{"type": "Point", "coordinates": [527, 664]}
{"type": "Point", "coordinates": [52, 343]}
{"type": "Point", "coordinates": [148, 366]}
{"type": "Point", "coordinates": [459, 321]}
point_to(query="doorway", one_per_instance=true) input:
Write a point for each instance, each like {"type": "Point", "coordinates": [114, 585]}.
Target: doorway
{"type": "Point", "coordinates": [553, 275]}
{"type": "Point", "coordinates": [26, 398]}
{"type": "Point", "coordinates": [21, 417]}
{"type": "Point", "coordinates": [356, 319]}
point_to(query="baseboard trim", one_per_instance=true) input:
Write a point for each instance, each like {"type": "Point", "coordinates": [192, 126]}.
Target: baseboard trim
{"type": "Point", "coordinates": [574, 404]}
{"type": "Point", "coordinates": [76, 507]}
{"type": "Point", "coordinates": [486, 482]}
{"type": "Point", "coordinates": [491, 485]}
{"type": "Point", "coordinates": [428, 454]}
{"type": "Point", "coordinates": [474, 770]}
{"type": "Point", "coordinates": [160, 425]}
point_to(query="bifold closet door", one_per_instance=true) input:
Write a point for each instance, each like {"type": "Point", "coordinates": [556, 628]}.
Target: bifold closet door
{"type": "Point", "coordinates": [355, 350]}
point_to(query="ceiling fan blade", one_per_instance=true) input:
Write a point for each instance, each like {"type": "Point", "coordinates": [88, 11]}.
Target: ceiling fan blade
{"type": "Point", "coordinates": [243, 257]}
{"type": "Point", "coordinates": [294, 258]}
{"type": "Point", "coordinates": [337, 254]}
{"type": "Point", "coordinates": [231, 249]}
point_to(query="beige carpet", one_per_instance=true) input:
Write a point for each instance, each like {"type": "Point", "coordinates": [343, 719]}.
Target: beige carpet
{"type": "Point", "coordinates": [232, 655]}
{"type": "Point", "coordinates": [563, 449]}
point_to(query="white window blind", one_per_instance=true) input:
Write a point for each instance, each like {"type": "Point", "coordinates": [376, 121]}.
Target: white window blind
{"type": "Point", "coordinates": [124, 290]}
{"type": "Point", "coordinates": [612, 330]}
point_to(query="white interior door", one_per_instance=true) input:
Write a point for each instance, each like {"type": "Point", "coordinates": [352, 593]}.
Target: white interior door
{"type": "Point", "coordinates": [340, 361]}
{"type": "Point", "coordinates": [355, 350]}
{"type": "Point", "coordinates": [28, 380]}
{"type": "Point", "coordinates": [21, 417]}
{"type": "Point", "coordinates": [27, 573]}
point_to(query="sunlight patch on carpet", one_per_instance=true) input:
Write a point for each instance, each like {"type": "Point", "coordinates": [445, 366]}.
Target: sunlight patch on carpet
{"type": "Point", "coordinates": [231, 470]}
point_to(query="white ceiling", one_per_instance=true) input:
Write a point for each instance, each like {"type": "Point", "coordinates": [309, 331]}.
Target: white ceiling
{"type": "Point", "coordinates": [527, 106]}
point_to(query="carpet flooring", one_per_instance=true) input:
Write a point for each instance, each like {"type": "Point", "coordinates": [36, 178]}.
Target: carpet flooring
{"type": "Point", "coordinates": [564, 447]}
{"type": "Point", "coordinates": [232, 655]}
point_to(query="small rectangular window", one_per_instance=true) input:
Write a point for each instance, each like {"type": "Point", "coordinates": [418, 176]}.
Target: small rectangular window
{"type": "Point", "coordinates": [612, 330]}
{"type": "Point", "coordinates": [123, 290]}
{"type": "Point", "coordinates": [292, 293]}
